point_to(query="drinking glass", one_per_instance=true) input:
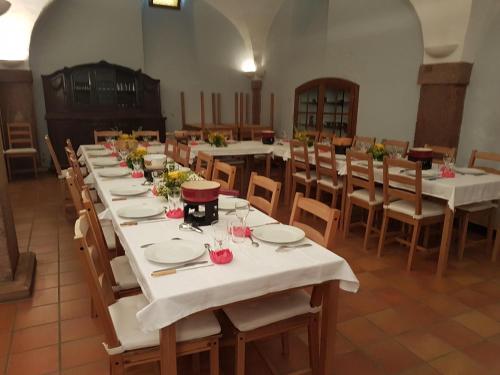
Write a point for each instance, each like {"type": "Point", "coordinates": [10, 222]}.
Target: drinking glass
{"type": "Point", "coordinates": [236, 230]}
{"type": "Point", "coordinates": [137, 166]}
{"type": "Point", "coordinates": [123, 155]}
{"type": "Point", "coordinates": [449, 161]}
{"type": "Point", "coordinates": [157, 181]}
{"type": "Point", "coordinates": [219, 233]}
{"type": "Point", "coordinates": [242, 210]}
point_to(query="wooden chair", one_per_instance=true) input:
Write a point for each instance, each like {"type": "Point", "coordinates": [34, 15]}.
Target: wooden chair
{"type": "Point", "coordinates": [267, 205]}
{"type": "Point", "coordinates": [184, 136]}
{"type": "Point", "coordinates": [101, 135]}
{"type": "Point", "coordinates": [61, 174]}
{"type": "Point", "coordinates": [400, 147]}
{"type": "Point", "coordinates": [170, 148]}
{"type": "Point", "coordinates": [361, 191]}
{"type": "Point", "coordinates": [301, 168]}
{"type": "Point", "coordinates": [256, 133]}
{"type": "Point", "coordinates": [222, 169]}
{"type": "Point", "coordinates": [326, 138]}
{"type": "Point", "coordinates": [204, 165]}
{"type": "Point", "coordinates": [117, 270]}
{"type": "Point", "coordinates": [127, 345]}
{"type": "Point", "coordinates": [362, 143]}
{"type": "Point", "coordinates": [21, 145]}
{"type": "Point", "coordinates": [326, 172]}
{"type": "Point", "coordinates": [329, 216]}
{"type": "Point", "coordinates": [488, 209]}
{"type": "Point", "coordinates": [150, 135]}
{"type": "Point", "coordinates": [405, 204]}
{"type": "Point", "coordinates": [183, 155]}
{"type": "Point", "coordinates": [438, 153]}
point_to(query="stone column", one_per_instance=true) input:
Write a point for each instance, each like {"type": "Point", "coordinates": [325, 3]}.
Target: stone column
{"type": "Point", "coordinates": [256, 101]}
{"type": "Point", "coordinates": [442, 96]}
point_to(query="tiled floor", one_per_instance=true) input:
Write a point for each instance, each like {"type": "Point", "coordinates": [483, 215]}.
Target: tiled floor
{"type": "Point", "coordinates": [398, 323]}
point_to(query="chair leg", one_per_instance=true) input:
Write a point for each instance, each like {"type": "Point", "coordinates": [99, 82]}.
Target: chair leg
{"type": "Point", "coordinates": [294, 190]}
{"type": "Point", "coordinates": [34, 167]}
{"type": "Point", "coordinates": [285, 344]}
{"type": "Point", "coordinates": [313, 338]}
{"type": "Point", "coordinates": [427, 235]}
{"type": "Point", "coordinates": [496, 247]}
{"type": "Point", "coordinates": [347, 217]}
{"type": "Point", "coordinates": [239, 355]}
{"type": "Point", "coordinates": [463, 236]}
{"type": "Point", "coordinates": [369, 224]}
{"type": "Point", "coordinates": [413, 246]}
{"type": "Point", "coordinates": [491, 219]}
{"type": "Point", "coordinates": [214, 358]}
{"type": "Point", "coordinates": [9, 169]}
{"type": "Point", "coordinates": [308, 190]}
{"type": "Point", "coordinates": [383, 231]}
{"type": "Point", "coordinates": [116, 365]}
{"type": "Point", "coordinates": [335, 198]}
{"type": "Point", "coordinates": [318, 193]}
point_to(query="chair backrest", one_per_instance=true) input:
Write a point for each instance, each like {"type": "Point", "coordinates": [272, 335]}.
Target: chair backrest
{"type": "Point", "coordinates": [77, 172]}
{"type": "Point", "coordinates": [222, 169]}
{"type": "Point", "coordinates": [256, 133]}
{"type": "Point", "coordinates": [360, 173]}
{"type": "Point", "coordinates": [100, 287]}
{"type": "Point", "coordinates": [438, 153]}
{"type": "Point", "coordinates": [342, 141]}
{"type": "Point", "coordinates": [360, 143]}
{"type": "Point", "coordinates": [268, 206]}
{"type": "Point", "coordinates": [183, 136]}
{"type": "Point", "coordinates": [19, 135]}
{"type": "Point", "coordinates": [152, 135]}
{"type": "Point", "coordinates": [299, 157]}
{"type": "Point", "coordinates": [170, 148]}
{"type": "Point", "coordinates": [204, 165]}
{"type": "Point", "coordinates": [491, 158]}
{"type": "Point", "coordinates": [183, 154]}
{"type": "Point", "coordinates": [330, 217]}
{"type": "Point", "coordinates": [409, 188]}
{"type": "Point", "coordinates": [53, 155]}
{"type": "Point", "coordinates": [400, 147]}
{"type": "Point", "coordinates": [326, 137]}
{"type": "Point", "coordinates": [326, 165]}
{"type": "Point", "coordinates": [74, 190]}
{"type": "Point", "coordinates": [101, 244]}
{"type": "Point", "coordinates": [101, 135]}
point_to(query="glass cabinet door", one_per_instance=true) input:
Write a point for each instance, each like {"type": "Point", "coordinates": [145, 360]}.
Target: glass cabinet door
{"type": "Point", "coordinates": [336, 111]}
{"type": "Point", "coordinates": [307, 109]}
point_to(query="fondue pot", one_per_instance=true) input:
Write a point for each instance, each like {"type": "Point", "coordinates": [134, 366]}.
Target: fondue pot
{"type": "Point", "coordinates": [268, 137]}
{"type": "Point", "coordinates": [154, 161]}
{"type": "Point", "coordinates": [421, 154]}
{"type": "Point", "coordinates": [201, 201]}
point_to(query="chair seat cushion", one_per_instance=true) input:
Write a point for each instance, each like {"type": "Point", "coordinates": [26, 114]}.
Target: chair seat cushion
{"type": "Point", "coordinates": [123, 314]}
{"type": "Point", "coordinates": [302, 175]}
{"type": "Point", "coordinates": [365, 196]}
{"type": "Point", "coordinates": [109, 234]}
{"type": "Point", "coordinates": [429, 208]}
{"type": "Point", "coordinates": [327, 181]}
{"type": "Point", "coordinates": [124, 276]}
{"type": "Point", "coordinates": [99, 207]}
{"type": "Point", "coordinates": [15, 151]}
{"type": "Point", "coordinates": [477, 207]}
{"type": "Point", "coordinates": [262, 312]}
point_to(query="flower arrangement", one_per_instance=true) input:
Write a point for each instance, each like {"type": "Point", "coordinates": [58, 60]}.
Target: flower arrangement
{"type": "Point", "coordinates": [172, 181]}
{"type": "Point", "coordinates": [126, 142]}
{"type": "Point", "coordinates": [378, 151]}
{"type": "Point", "coordinates": [137, 154]}
{"type": "Point", "coordinates": [303, 137]}
{"type": "Point", "coordinates": [217, 140]}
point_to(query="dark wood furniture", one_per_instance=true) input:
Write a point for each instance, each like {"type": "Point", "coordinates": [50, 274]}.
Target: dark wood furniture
{"type": "Point", "coordinates": [99, 96]}
{"type": "Point", "coordinates": [327, 105]}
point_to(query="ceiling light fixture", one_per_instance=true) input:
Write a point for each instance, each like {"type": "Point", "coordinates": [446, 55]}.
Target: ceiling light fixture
{"type": "Point", "coordinates": [172, 4]}
{"type": "Point", "coordinates": [4, 6]}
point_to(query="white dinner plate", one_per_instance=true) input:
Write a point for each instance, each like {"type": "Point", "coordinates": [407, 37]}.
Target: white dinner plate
{"type": "Point", "coordinates": [98, 153]}
{"type": "Point", "coordinates": [105, 162]}
{"type": "Point", "coordinates": [184, 169]}
{"type": "Point", "coordinates": [95, 147]}
{"type": "Point", "coordinates": [471, 171]}
{"type": "Point", "coordinates": [229, 203]}
{"type": "Point", "coordinates": [139, 211]}
{"type": "Point", "coordinates": [279, 233]}
{"type": "Point", "coordinates": [114, 172]}
{"type": "Point", "coordinates": [127, 191]}
{"type": "Point", "coordinates": [174, 251]}
{"type": "Point", "coordinates": [339, 156]}
{"type": "Point", "coordinates": [426, 173]}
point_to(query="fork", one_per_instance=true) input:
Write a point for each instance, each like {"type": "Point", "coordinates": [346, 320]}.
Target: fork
{"type": "Point", "coordinates": [283, 248]}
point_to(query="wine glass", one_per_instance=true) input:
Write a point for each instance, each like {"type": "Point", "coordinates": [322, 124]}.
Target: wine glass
{"type": "Point", "coordinates": [123, 155]}
{"type": "Point", "coordinates": [242, 209]}
{"type": "Point", "coordinates": [219, 233]}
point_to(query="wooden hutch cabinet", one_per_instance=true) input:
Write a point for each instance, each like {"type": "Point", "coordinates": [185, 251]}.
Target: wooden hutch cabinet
{"type": "Point", "coordinates": [327, 105]}
{"type": "Point", "coordinates": [99, 96]}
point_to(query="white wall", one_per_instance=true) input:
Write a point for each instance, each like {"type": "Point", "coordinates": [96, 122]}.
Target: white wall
{"type": "Point", "coordinates": [481, 119]}
{"type": "Point", "coordinates": [192, 50]}
{"type": "Point", "coordinates": [376, 44]}
{"type": "Point", "coordinates": [71, 32]}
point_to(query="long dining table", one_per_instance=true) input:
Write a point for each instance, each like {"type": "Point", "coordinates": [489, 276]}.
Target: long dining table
{"type": "Point", "coordinates": [253, 273]}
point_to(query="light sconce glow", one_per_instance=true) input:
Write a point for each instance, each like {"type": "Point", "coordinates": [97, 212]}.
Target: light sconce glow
{"type": "Point", "coordinates": [15, 46]}
{"type": "Point", "coordinates": [174, 4]}
{"type": "Point", "coordinates": [249, 66]}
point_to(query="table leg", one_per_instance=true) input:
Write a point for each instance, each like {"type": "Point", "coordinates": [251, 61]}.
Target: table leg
{"type": "Point", "coordinates": [168, 350]}
{"type": "Point", "coordinates": [445, 241]}
{"type": "Point", "coordinates": [268, 165]}
{"type": "Point", "coordinates": [328, 327]}
{"type": "Point", "coordinates": [288, 180]}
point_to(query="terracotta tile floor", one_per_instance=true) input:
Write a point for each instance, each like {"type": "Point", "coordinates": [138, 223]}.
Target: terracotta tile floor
{"type": "Point", "coordinates": [398, 323]}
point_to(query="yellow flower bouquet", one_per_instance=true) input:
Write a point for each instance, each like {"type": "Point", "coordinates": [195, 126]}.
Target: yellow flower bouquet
{"type": "Point", "coordinates": [216, 139]}
{"type": "Point", "coordinates": [378, 151]}
{"type": "Point", "coordinates": [136, 155]}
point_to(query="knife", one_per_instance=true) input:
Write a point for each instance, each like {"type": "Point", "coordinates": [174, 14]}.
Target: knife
{"type": "Point", "coordinates": [263, 225]}
{"type": "Point", "coordinates": [168, 271]}
{"type": "Point", "coordinates": [145, 221]}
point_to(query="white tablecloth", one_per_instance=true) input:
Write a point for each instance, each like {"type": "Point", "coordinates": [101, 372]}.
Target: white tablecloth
{"type": "Point", "coordinates": [254, 271]}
